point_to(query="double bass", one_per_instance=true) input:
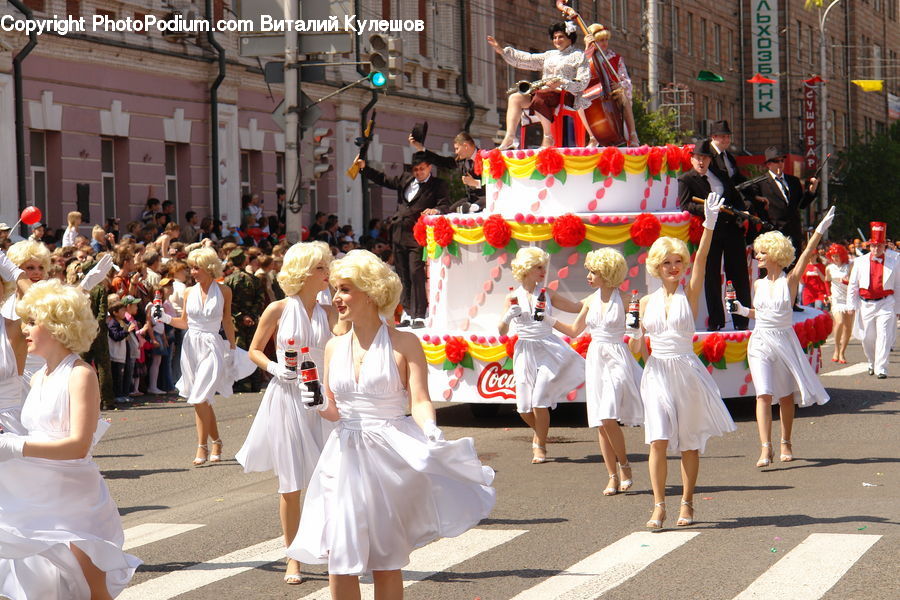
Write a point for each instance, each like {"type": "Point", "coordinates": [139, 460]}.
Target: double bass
{"type": "Point", "coordinates": [604, 115]}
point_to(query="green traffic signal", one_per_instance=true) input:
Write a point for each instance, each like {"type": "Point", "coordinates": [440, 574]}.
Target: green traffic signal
{"type": "Point", "coordinates": [377, 78]}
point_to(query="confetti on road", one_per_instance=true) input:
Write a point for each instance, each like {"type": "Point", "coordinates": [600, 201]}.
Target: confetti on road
{"type": "Point", "coordinates": [777, 539]}
{"type": "Point", "coordinates": [861, 528]}
{"type": "Point", "coordinates": [867, 484]}
{"type": "Point", "coordinates": [773, 550]}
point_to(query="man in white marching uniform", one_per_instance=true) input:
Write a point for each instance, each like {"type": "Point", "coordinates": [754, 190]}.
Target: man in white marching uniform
{"type": "Point", "coordinates": [873, 280]}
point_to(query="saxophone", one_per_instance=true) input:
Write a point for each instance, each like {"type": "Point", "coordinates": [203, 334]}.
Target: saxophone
{"type": "Point", "coordinates": [530, 87]}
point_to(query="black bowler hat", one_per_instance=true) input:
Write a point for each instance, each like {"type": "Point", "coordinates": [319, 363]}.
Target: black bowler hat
{"type": "Point", "coordinates": [419, 132]}
{"type": "Point", "coordinates": [720, 128]}
{"type": "Point", "coordinates": [774, 152]}
{"type": "Point", "coordinates": [703, 149]}
{"type": "Point", "coordinates": [419, 158]}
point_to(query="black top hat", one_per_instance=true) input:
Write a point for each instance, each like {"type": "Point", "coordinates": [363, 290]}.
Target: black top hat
{"type": "Point", "coordinates": [773, 152]}
{"type": "Point", "coordinates": [703, 149]}
{"type": "Point", "coordinates": [419, 132]}
{"type": "Point", "coordinates": [720, 128]}
{"type": "Point", "coordinates": [419, 158]}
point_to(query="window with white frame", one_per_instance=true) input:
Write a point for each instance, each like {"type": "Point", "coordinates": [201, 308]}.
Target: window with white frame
{"type": "Point", "coordinates": [245, 173]}
{"type": "Point", "coordinates": [172, 175]}
{"type": "Point", "coordinates": [279, 169]}
{"type": "Point", "coordinates": [39, 170]}
{"type": "Point", "coordinates": [108, 176]}
{"type": "Point", "coordinates": [717, 43]}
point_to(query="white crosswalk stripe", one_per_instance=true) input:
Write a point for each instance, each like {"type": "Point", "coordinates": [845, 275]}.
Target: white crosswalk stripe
{"type": "Point", "coordinates": [608, 568]}
{"type": "Point", "coordinates": [147, 533]}
{"type": "Point", "coordinates": [439, 556]}
{"type": "Point", "coordinates": [846, 371]}
{"type": "Point", "coordinates": [810, 569]}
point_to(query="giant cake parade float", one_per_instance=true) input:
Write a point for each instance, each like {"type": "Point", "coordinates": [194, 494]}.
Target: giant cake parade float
{"type": "Point", "coordinates": [567, 201]}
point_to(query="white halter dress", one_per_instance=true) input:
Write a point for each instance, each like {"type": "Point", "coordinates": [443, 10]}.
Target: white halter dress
{"type": "Point", "coordinates": [285, 437]}
{"type": "Point", "coordinates": [204, 372]}
{"type": "Point", "coordinates": [12, 390]}
{"type": "Point", "coordinates": [47, 505]}
{"type": "Point", "coordinates": [612, 376]}
{"type": "Point", "coordinates": [381, 489]}
{"type": "Point", "coordinates": [682, 403]}
{"type": "Point", "coordinates": [777, 362]}
{"type": "Point", "coordinates": [837, 275]}
{"type": "Point", "coordinates": [546, 368]}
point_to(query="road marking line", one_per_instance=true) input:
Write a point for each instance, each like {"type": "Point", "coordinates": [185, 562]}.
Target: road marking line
{"type": "Point", "coordinates": [196, 576]}
{"type": "Point", "coordinates": [438, 556]}
{"type": "Point", "coordinates": [846, 371]}
{"type": "Point", "coordinates": [147, 533]}
{"type": "Point", "coordinates": [608, 568]}
{"type": "Point", "coordinates": [810, 569]}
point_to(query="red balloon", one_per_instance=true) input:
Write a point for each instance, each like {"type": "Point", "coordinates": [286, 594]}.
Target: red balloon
{"type": "Point", "coordinates": [31, 215]}
{"type": "Point", "coordinates": [304, 233]}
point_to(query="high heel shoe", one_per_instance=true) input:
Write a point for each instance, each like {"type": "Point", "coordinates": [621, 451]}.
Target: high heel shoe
{"type": "Point", "coordinates": [765, 462]}
{"type": "Point", "coordinates": [536, 460]}
{"type": "Point", "coordinates": [201, 460]}
{"type": "Point", "coordinates": [625, 483]}
{"type": "Point", "coordinates": [216, 456]}
{"type": "Point", "coordinates": [592, 143]}
{"type": "Point", "coordinates": [612, 487]}
{"type": "Point", "coordinates": [657, 523]}
{"type": "Point", "coordinates": [509, 144]}
{"type": "Point", "coordinates": [685, 521]}
{"type": "Point", "coordinates": [790, 455]}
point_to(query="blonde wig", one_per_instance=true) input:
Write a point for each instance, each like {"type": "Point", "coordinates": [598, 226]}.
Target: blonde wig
{"type": "Point", "coordinates": [65, 312]}
{"type": "Point", "coordinates": [663, 247]}
{"type": "Point", "coordinates": [21, 252]}
{"type": "Point", "coordinates": [299, 261]}
{"type": "Point", "coordinates": [526, 259]}
{"type": "Point", "coordinates": [608, 264]}
{"type": "Point", "coordinates": [207, 260]}
{"type": "Point", "coordinates": [777, 247]}
{"type": "Point", "coordinates": [372, 276]}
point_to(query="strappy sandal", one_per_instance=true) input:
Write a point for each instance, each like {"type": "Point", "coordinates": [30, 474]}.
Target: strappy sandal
{"type": "Point", "coordinates": [509, 144]}
{"type": "Point", "coordinates": [790, 455]}
{"type": "Point", "coordinates": [765, 462]}
{"type": "Point", "coordinates": [657, 523]}
{"type": "Point", "coordinates": [537, 460]}
{"type": "Point", "coordinates": [612, 487]}
{"type": "Point", "coordinates": [625, 484]}
{"type": "Point", "coordinates": [216, 457]}
{"type": "Point", "coordinates": [685, 521]}
{"type": "Point", "coordinates": [201, 460]}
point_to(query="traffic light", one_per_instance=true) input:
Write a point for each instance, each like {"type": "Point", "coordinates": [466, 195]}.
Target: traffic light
{"type": "Point", "coordinates": [321, 152]}
{"type": "Point", "coordinates": [386, 61]}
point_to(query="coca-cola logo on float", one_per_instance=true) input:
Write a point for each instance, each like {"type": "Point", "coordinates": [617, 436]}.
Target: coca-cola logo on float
{"type": "Point", "coordinates": [495, 381]}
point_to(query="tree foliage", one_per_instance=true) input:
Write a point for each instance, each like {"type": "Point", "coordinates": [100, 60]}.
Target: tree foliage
{"type": "Point", "coordinates": [866, 185]}
{"type": "Point", "coordinates": [656, 128]}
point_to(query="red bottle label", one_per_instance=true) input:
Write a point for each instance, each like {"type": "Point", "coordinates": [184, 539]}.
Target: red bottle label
{"type": "Point", "coordinates": [307, 375]}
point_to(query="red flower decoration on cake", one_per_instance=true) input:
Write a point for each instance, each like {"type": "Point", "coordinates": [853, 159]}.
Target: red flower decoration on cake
{"type": "Point", "coordinates": [478, 162]}
{"type": "Point", "coordinates": [497, 231]}
{"type": "Point", "coordinates": [714, 347]}
{"type": "Point", "coordinates": [443, 231]}
{"type": "Point", "coordinates": [456, 349]}
{"type": "Point", "coordinates": [800, 330]}
{"type": "Point", "coordinates": [655, 160]}
{"type": "Point", "coordinates": [695, 229]}
{"type": "Point", "coordinates": [645, 229]}
{"type": "Point", "coordinates": [611, 161]}
{"type": "Point", "coordinates": [498, 165]}
{"type": "Point", "coordinates": [686, 152]}
{"type": "Point", "coordinates": [568, 230]}
{"type": "Point", "coordinates": [821, 326]}
{"type": "Point", "coordinates": [582, 343]}
{"type": "Point", "coordinates": [809, 327]}
{"type": "Point", "coordinates": [511, 345]}
{"type": "Point", "coordinates": [420, 231]}
{"type": "Point", "coordinates": [673, 157]}
{"type": "Point", "coordinates": [829, 324]}
{"type": "Point", "coordinates": [549, 161]}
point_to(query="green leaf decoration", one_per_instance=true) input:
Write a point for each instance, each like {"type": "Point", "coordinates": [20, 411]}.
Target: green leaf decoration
{"type": "Point", "coordinates": [584, 247]}
{"type": "Point", "coordinates": [691, 248]}
{"type": "Point", "coordinates": [552, 247]}
{"type": "Point", "coordinates": [629, 247]}
{"type": "Point", "coordinates": [672, 173]}
{"type": "Point", "coordinates": [621, 176]}
{"type": "Point", "coordinates": [438, 250]}
{"type": "Point", "coordinates": [598, 176]}
{"type": "Point", "coordinates": [487, 177]}
{"type": "Point", "coordinates": [448, 366]}
{"type": "Point", "coordinates": [560, 175]}
{"type": "Point", "coordinates": [536, 175]}
{"type": "Point", "coordinates": [720, 364]}
{"type": "Point", "coordinates": [453, 248]}
{"type": "Point", "coordinates": [467, 361]}
{"type": "Point", "coordinates": [505, 178]}
{"type": "Point", "coordinates": [746, 363]}
{"type": "Point", "coordinates": [703, 359]}
{"type": "Point", "coordinates": [425, 254]}
{"type": "Point", "coordinates": [508, 364]}
{"type": "Point", "coordinates": [512, 247]}
{"type": "Point", "coordinates": [641, 362]}
{"type": "Point", "coordinates": [647, 175]}
{"type": "Point", "coordinates": [657, 177]}
{"type": "Point", "coordinates": [487, 250]}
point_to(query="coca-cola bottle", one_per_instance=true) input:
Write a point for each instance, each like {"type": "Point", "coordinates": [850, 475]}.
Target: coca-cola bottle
{"type": "Point", "coordinates": [633, 318]}
{"type": "Point", "coordinates": [513, 299]}
{"type": "Point", "coordinates": [309, 375]}
{"type": "Point", "coordinates": [540, 306]}
{"type": "Point", "coordinates": [157, 304]}
{"type": "Point", "coordinates": [730, 296]}
{"type": "Point", "coordinates": [290, 356]}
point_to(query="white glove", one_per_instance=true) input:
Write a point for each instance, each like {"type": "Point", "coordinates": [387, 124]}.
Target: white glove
{"type": "Point", "coordinates": [309, 397]}
{"type": "Point", "coordinates": [739, 309]}
{"type": "Point", "coordinates": [11, 447]}
{"type": "Point", "coordinates": [432, 432]}
{"type": "Point", "coordinates": [711, 209]}
{"type": "Point", "coordinates": [98, 273]}
{"type": "Point", "coordinates": [8, 269]}
{"type": "Point", "coordinates": [164, 318]}
{"type": "Point", "coordinates": [826, 222]}
{"type": "Point", "coordinates": [630, 321]}
{"type": "Point", "coordinates": [511, 313]}
{"type": "Point", "coordinates": [281, 372]}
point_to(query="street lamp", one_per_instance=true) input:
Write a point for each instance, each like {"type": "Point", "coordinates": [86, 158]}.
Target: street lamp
{"type": "Point", "coordinates": [823, 102]}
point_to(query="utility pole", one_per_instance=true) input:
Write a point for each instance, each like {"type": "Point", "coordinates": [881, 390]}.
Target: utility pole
{"type": "Point", "coordinates": [291, 126]}
{"type": "Point", "coordinates": [823, 106]}
{"type": "Point", "coordinates": [653, 53]}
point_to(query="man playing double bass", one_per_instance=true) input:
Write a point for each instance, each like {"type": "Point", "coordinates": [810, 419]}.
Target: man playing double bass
{"type": "Point", "coordinates": [598, 37]}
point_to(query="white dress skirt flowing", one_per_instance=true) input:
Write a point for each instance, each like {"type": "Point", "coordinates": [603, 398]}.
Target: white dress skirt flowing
{"type": "Point", "coordinates": [837, 275]}
{"type": "Point", "coordinates": [778, 365]}
{"type": "Point", "coordinates": [48, 505]}
{"type": "Point", "coordinates": [11, 385]}
{"type": "Point", "coordinates": [612, 376]}
{"type": "Point", "coordinates": [381, 489]}
{"type": "Point", "coordinates": [285, 437]}
{"type": "Point", "coordinates": [682, 403]}
{"type": "Point", "coordinates": [546, 368]}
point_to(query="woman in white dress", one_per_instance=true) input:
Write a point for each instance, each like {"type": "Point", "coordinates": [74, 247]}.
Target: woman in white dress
{"type": "Point", "coordinates": [60, 533]}
{"type": "Point", "coordinates": [683, 407]}
{"type": "Point", "coordinates": [12, 340]}
{"type": "Point", "coordinates": [34, 259]}
{"type": "Point", "coordinates": [386, 483]}
{"type": "Point", "coordinates": [206, 360]}
{"type": "Point", "coordinates": [838, 274]}
{"type": "Point", "coordinates": [780, 369]}
{"type": "Point", "coordinates": [613, 378]}
{"type": "Point", "coordinates": [546, 368]}
{"type": "Point", "coordinates": [285, 437]}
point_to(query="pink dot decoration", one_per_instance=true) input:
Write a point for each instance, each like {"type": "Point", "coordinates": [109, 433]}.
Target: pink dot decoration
{"type": "Point", "coordinates": [567, 339]}
{"type": "Point", "coordinates": [594, 219]}
{"type": "Point", "coordinates": [529, 218]}
{"type": "Point", "coordinates": [551, 219]}
{"type": "Point", "coordinates": [440, 284]}
{"type": "Point", "coordinates": [520, 154]}
{"type": "Point", "coordinates": [452, 382]}
{"type": "Point", "coordinates": [549, 181]}
{"type": "Point", "coordinates": [633, 272]}
{"type": "Point", "coordinates": [573, 258]}
{"type": "Point", "coordinates": [572, 395]}
{"type": "Point", "coordinates": [542, 195]}
{"type": "Point", "coordinates": [473, 310]}
{"type": "Point", "coordinates": [492, 340]}
{"type": "Point", "coordinates": [488, 286]}
{"type": "Point", "coordinates": [495, 272]}
{"type": "Point", "coordinates": [644, 203]}
{"type": "Point", "coordinates": [473, 337]}
{"type": "Point", "coordinates": [501, 260]}
{"type": "Point", "coordinates": [600, 193]}
{"type": "Point", "coordinates": [563, 273]}
{"type": "Point", "coordinates": [709, 369]}
{"type": "Point", "coordinates": [696, 337]}
{"type": "Point", "coordinates": [503, 339]}
{"type": "Point", "coordinates": [446, 337]}
{"type": "Point", "coordinates": [426, 338]}
{"type": "Point", "coordinates": [748, 378]}
{"type": "Point", "coordinates": [642, 258]}
{"type": "Point", "coordinates": [743, 390]}
{"type": "Point", "coordinates": [479, 221]}
{"type": "Point", "coordinates": [626, 285]}
{"type": "Point", "coordinates": [541, 220]}
{"type": "Point", "coordinates": [443, 272]}
{"type": "Point", "coordinates": [446, 259]}
{"type": "Point", "coordinates": [553, 285]}
{"type": "Point", "coordinates": [519, 217]}
{"type": "Point", "coordinates": [608, 182]}
{"type": "Point", "coordinates": [446, 394]}
{"type": "Point", "coordinates": [592, 205]}
{"type": "Point", "coordinates": [482, 340]}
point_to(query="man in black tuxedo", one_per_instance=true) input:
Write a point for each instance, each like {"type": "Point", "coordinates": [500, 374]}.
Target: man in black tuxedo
{"type": "Point", "coordinates": [418, 193]}
{"type": "Point", "coordinates": [722, 158]}
{"type": "Point", "coordinates": [464, 163]}
{"type": "Point", "coordinates": [728, 236]}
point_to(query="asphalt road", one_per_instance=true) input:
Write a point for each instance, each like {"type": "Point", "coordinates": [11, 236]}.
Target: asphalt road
{"type": "Point", "coordinates": [823, 526]}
